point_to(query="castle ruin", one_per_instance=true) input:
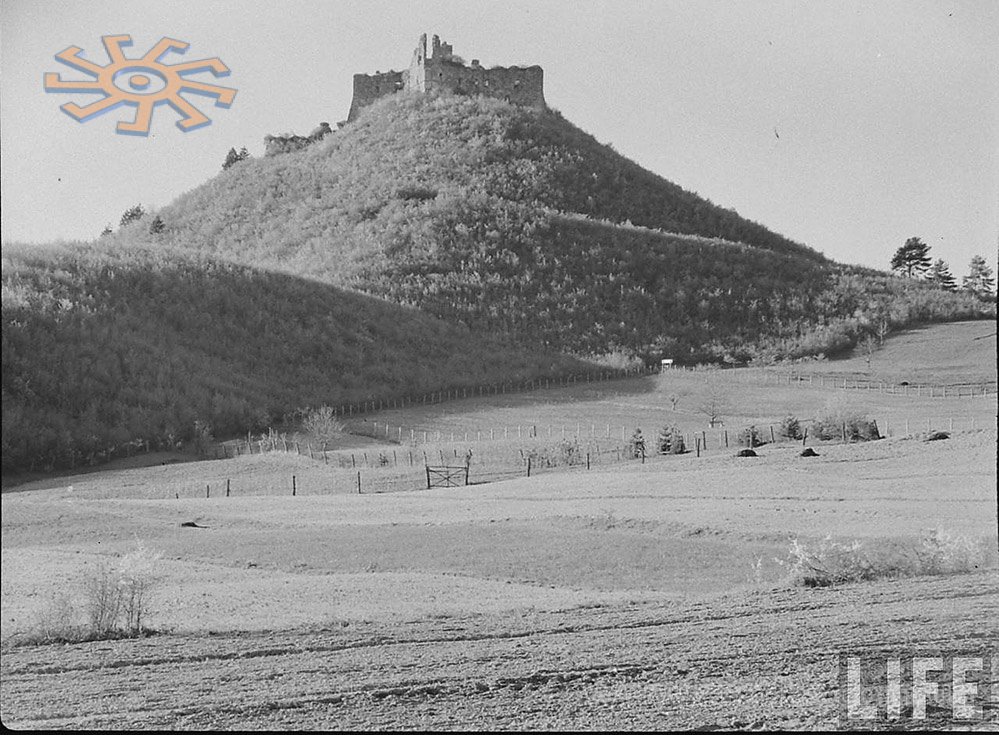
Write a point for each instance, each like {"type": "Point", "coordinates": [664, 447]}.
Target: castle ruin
{"type": "Point", "coordinates": [443, 72]}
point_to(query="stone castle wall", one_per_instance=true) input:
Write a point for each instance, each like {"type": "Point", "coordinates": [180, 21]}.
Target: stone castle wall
{"type": "Point", "coordinates": [369, 87]}
{"type": "Point", "coordinates": [442, 72]}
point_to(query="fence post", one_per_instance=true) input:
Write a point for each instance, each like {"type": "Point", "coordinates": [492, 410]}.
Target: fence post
{"type": "Point", "coordinates": [358, 483]}
{"type": "Point", "coordinates": [208, 491]}
{"type": "Point", "coordinates": [227, 488]}
{"type": "Point", "coordinates": [293, 488]}
{"type": "Point", "coordinates": [528, 465]}
{"type": "Point", "coordinates": [428, 477]}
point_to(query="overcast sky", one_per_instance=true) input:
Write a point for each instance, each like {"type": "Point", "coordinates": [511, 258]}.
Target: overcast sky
{"type": "Point", "coordinates": [846, 125]}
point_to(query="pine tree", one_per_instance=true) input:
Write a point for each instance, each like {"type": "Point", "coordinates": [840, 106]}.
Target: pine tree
{"type": "Point", "coordinates": [979, 280]}
{"type": "Point", "coordinates": [132, 214]}
{"type": "Point", "coordinates": [939, 274]}
{"type": "Point", "coordinates": [912, 259]}
{"type": "Point", "coordinates": [232, 158]}
{"type": "Point", "coordinates": [157, 225]}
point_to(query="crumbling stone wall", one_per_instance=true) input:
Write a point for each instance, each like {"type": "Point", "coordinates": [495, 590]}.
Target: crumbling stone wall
{"type": "Point", "coordinates": [443, 72]}
{"type": "Point", "coordinates": [277, 144]}
{"type": "Point", "coordinates": [369, 87]}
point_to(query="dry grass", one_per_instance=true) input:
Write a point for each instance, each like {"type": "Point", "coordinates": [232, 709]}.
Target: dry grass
{"type": "Point", "coordinates": [938, 551]}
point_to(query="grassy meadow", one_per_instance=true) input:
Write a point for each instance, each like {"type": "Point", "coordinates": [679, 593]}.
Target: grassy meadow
{"type": "Point", "coordinates": [674, 527]}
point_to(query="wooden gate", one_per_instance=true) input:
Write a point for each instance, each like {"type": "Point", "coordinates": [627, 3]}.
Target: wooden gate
{"type": "Point", "coordinates": [447, 476]}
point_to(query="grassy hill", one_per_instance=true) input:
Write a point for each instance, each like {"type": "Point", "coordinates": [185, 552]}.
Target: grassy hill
{"type": "Point", "coordinates": [438, 242]}
{"type": "Point", "coordinates": [514, 221]}
{"type": "Point", "coordinates": [103, 347]}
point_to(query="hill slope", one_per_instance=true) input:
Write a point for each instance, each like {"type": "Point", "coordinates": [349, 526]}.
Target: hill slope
{"type": "Point", "coordinates": [499, 239]}
{"type": "Point", "coordinates": [104, 347]}
{"type": "Point", "coordinates": [512, 220]}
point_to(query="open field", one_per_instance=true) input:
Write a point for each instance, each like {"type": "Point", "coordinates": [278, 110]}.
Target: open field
{"type": "Point", "coordinates": [628, 595]}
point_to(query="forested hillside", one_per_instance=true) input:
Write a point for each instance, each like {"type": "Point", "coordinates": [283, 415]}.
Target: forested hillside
{"type": "Point", "coordinates": [107, 346]}
{"type": "Point", "coordinates": [436, 242]}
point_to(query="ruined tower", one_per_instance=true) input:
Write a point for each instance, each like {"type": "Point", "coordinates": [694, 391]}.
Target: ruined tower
{"type": "Point", "coordinates": [441, 71]}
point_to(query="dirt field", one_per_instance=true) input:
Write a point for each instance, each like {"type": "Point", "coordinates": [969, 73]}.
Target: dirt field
{"type": "Point", "coordinates": [651, 597]}
{"type": "Point", "coordinates": [631, 595]}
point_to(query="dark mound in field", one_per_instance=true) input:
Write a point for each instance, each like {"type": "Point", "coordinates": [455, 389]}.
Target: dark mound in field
{"type": "Point", "coordinates": [937, 436]}
{"type": "Point", "coordinates": [747, 453]}
{"type": "Point", "coordinates": [809, 452]}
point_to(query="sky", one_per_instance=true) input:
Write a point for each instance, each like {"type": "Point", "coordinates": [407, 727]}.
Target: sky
{"type": "Point", "coordinates": [846, 125]}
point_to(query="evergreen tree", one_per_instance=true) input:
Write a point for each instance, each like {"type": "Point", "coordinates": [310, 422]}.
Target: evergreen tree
{"type": "Point", "coordinates": [980, 280]}
{"type": "Point", "coordinates": [132, 214]}
{"type": "Point", "coordinates": [912, 259]}
{"type": "Point", "coordinates": [939, 273]}
{"type": "Point", "coordinates": [156, 226]}
{"type": "Point", "coordinates": [232, 157]}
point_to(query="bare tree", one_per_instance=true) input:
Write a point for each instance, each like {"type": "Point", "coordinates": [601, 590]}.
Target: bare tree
{"type": "Point", "coordinates": [869, 345]}
{"type": "Point", "coordinates": [715, 404]}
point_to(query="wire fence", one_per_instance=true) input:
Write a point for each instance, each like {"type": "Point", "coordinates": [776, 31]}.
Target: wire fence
{"type": "Point", "coordinates": [759, 376]}
{"type": "Point", "coordinates": [395, 468]}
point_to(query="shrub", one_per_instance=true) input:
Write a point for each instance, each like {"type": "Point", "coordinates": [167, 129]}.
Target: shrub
{"type": "Point", "coordinates": [942, 552]}
{"type": "Point", "coordinates": [671, 440]}
{"type": "Point", "coordinates": [833, 562]}
{"type": "Point", "coordinates": [203, 437]}
{"type": "Point", "coordinates": [751, 437]}
{"type": "Point", "coordinates": [564, 453]}
{"type": "Point", "coordinates": [849, 428]}
{"type": "Point", "coordinates": [56, 623]}
{"type": "Point", "coordinates": [636, 445]}
{"type": "Point", "coordinates": [116, 603]}
{"type": "Point", "coordinates": [839, 421]}
{"type": "Point", "coordinates": [790, 427]}
{"type": "Point", "coordinates": [322, 424]}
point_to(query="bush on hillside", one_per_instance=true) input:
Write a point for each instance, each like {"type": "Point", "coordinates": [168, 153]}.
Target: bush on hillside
{"type": "Point", "coordinates": [751, 437]}
{"type": "Point", "coordinates": [670, 440]}
{"type": "Point", "coordinates": [850, 427]}
{"type": "Point", "coordinates": [323, 425]}
{"type": "Point", "coordinates": [790, 428]}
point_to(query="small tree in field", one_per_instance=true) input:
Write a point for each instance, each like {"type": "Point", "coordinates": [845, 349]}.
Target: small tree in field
{"type": "Point", "coordinates": [912, 259]}
{"type": "Point", "coordinates": [715, 404]}
{"type": "Point", "coordinates": [637, 444]}
{"type": "Point", "coordinates": [868, 346]}
{"type": "Point", "coordinates": [671, 440]}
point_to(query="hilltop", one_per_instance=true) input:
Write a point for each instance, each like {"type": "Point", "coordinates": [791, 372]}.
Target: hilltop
{"type": "Point", "coordinates": [436, 242]}
{"type": "Point", "coordinates": [512, 220]}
